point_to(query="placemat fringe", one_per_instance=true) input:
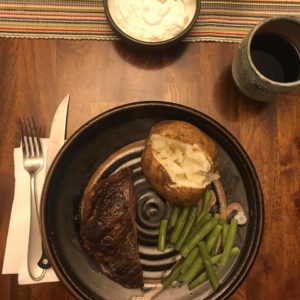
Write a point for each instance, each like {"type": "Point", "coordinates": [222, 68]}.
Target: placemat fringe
{"type": "Point", "coordinates": [220, 21]}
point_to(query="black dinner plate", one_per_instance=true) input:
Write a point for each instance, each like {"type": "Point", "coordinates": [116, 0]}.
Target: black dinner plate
{"type": "Point", "coordinates": [87, 149]}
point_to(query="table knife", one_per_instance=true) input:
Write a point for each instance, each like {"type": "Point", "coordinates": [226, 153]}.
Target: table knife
{"type": "Point", "coordinates": [58, 131]}
{"type": "Point", "coordinates": [56, 140]}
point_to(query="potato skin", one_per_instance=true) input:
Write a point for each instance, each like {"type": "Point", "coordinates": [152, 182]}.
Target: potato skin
{"type": "Point", "coordinates": [156, 174]}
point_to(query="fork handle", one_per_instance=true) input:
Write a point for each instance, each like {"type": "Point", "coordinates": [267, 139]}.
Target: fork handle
{"type": "Point", "coordinates": [44, 261]}
{"type": "Point", "coordinates": [35, 249]}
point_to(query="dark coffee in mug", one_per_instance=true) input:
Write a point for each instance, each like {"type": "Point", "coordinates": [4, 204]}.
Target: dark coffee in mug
{"type": "Point", "coordinates": [267, 63]}
{"type": "Point", "coordinates": [275, 57]}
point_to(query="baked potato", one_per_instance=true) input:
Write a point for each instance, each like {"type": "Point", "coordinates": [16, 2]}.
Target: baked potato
{"type": "Point", "coordinates": [179, 161]}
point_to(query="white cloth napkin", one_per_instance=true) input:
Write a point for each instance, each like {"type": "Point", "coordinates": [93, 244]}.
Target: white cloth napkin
{"type": "Point", "coordinates": [15, 258]}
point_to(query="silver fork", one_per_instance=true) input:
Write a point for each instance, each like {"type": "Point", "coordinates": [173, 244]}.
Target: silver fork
{"type": "Point", "coordinates": [33, 162]}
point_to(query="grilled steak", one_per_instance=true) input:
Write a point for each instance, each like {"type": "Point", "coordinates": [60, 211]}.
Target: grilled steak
{"type": "Point", "coordinates": [108, 228]}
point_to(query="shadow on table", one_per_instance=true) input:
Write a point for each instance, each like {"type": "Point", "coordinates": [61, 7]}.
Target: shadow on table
{"type": "Point", "coordinates": [149, 59]}
{"type": "Point", "coordinates": [229, 99]}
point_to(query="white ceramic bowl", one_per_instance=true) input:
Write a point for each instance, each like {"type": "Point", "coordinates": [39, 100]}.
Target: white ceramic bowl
{"type": "Point", "coordinates": [156, 24]}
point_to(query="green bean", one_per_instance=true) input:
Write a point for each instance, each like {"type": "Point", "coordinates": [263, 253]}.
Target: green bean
{"type": "Point", "coordinates": [179, 224]}
{"type": "Point", "coordinates": [211, 274]}
{"type": "Point", "coordinates": [235, 251]}
{"type": "Point", "coordinates": [216, 259]}
{"type": "Point", "coordinates": [219, 240]}
{"type": "Point", "coordinates": [189, 260]}
{"type": "Point", "coordinates": [215, 249]}
{"type": "Point", "coordinates": [198, 280]}
{"type": "Point", "coordinates": [221, 222]}
{"type": "Point", "coordinates": [204, 220]}
{"type": "Point", "coordinates": [206, 199]}
{"type": "Point", "coordinates": [180, 278]}
{"type": "Point", "coordinates": [199, 235]}
{"type": "Point", "coordinates": [174, 215]}
{"type": "Point", "coordinates": [162, 235]}
{"type": "Point", "coordinates": [224, 234]}
{"type": "Point", "coordinates": [195, 268]}
{"type": "Point", "coordinates": [187, 228]}
{"type": "Point", "coordinates": [229, 241]}
{"type": "Point", "coordinates": [217, 216]}
{"type": "Point", "coordinates": [213, 238]}
{"type": "Point", "coordinates": [197, 265]}
{"type": "Point", "coordinates": [174, 274]}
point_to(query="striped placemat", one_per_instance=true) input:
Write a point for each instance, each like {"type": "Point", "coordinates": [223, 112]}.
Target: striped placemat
{"type": "Point", "coordinates": [224, 21]}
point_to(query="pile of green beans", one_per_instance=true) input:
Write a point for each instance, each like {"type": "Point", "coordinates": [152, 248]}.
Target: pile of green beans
{"type": "Point", "coordinates": [196, 234]}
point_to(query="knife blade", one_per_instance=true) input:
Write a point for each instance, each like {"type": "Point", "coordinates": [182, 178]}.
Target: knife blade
{"type": "Point", "coordinates": [56, 140]}
{"type": "Point", "coordinates": [58, 131]}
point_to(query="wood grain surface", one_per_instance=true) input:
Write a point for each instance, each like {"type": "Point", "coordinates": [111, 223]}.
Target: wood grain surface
{"type": "Point", "coordinates": [37, 74]}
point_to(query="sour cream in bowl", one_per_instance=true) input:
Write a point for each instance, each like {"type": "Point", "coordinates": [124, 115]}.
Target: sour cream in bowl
{"type": "Point", "coordinates": [152, 22]}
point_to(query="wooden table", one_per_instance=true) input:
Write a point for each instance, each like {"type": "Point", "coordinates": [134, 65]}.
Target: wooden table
{"type": "Point", "coordinates": [37, 74]}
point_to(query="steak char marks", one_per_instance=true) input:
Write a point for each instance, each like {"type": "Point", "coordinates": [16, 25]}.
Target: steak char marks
{"type": "Point", "coordinates": [108, 228]}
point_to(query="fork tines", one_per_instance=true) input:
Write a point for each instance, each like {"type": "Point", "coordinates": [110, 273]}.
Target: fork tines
{"type": "Point", "coordinates": [31, 144]}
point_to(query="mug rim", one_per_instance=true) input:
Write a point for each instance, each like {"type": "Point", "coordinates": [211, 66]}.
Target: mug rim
{"type": "Point", "coordinates": [254, 31]}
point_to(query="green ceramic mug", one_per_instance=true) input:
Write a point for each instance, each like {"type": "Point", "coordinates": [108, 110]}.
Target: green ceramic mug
{"type": "Point", "coordinates": [267, 63]}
